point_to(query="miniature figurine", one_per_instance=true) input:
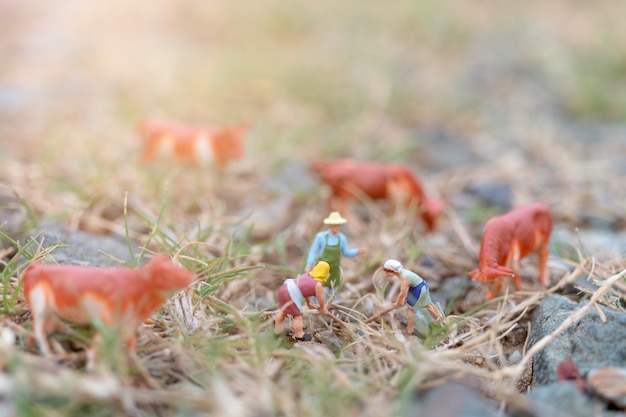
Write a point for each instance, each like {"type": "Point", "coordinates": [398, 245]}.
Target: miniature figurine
{"type": "Point", "coordinates": [196, 145]}
{"type": "Point", "coordinates": [328, 246]}
{"type": "Point", "coordinates": [413, 291]}
{"type": "Point", "coordinates": [507, 239]}
{"type": "Point", "coordinates": [120, 298]}
{"type": "Point", "coordinates": [294, 291]}
{"type": "Point", "coordinates": [395, 183]}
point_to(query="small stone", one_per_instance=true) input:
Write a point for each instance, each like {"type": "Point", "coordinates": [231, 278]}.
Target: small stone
{"type": "Point", "coordinates": [610, 383]}
{"type": "Point", "coordinates": [330, 340]}
{"type": "Point", "coordinates": [515, 357]}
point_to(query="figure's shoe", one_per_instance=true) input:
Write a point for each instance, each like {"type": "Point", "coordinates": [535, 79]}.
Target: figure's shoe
{"type": "Point", "coordinates": [305, 338]}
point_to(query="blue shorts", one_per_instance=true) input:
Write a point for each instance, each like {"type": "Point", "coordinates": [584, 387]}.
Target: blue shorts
{"type": "Point", "coordinates": [414, 293]}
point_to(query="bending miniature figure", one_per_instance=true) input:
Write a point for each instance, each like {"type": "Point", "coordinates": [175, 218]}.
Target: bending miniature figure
{"type": "Point", "coordinates": [413, 291]}
{"type": "Point", "coordinates": [296, 290]}
{"type": "Point", "coordinates": [328, 246]}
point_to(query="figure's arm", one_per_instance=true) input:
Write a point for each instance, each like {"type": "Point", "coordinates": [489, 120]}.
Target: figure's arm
{"type": "Point", "coordinates": [404, 290]}
{"type": "Point", "coordinates": [309, 303]}
{"type": "Point", "coordinates": [319, 293]}
{"type": "Point", "coordinates": [345, 250]}
{"type": "Point", "coordinates": [316, 249]}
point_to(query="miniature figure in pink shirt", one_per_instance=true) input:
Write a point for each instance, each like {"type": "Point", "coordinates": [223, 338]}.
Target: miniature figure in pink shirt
{"type": "Point", "coordinates": [294, 291]}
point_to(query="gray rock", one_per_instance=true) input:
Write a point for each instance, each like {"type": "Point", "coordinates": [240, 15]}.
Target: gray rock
{"type": "Point", "coordinates": [13, 215]}
{"type": "Point", "coordinates": [563, 399]}
{"type": "Point", "coordinates": [600, 243]}
{"type": "Point", "coordinates": [423, 319]}
{"type": "Point", "coordinates": [589, 343]}
{"type": "Point", "coordinates": [452, 399]}
{"type": "Point", "coordinates": [493, 194]}
{"type": "Point", "coordinates": [451, 289]}
{"type": "Point", "coordinates": [78, 247]}
{"type": "Point", "coordinates": [330, 340]}
{"type": "Point", "coordinates": [515, 357]}
{"type": "Point", "coordinates": [440, 148]}
{"type": "Point", "coordinates": [262, 219]}
{"type": "Point", "coordinates": [290, 178]}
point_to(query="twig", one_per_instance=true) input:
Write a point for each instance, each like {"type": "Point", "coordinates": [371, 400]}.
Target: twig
{"type": "Point", "coordinates": [381, 313]}
{"type": "Point", "coordinates": [337, 319]}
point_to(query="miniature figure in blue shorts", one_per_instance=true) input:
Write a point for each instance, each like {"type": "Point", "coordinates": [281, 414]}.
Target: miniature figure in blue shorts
{"type": "Point", "coordinates": [413, 291]}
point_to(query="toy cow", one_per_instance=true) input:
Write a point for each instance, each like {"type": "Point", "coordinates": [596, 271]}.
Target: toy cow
{"type": "Point", "coordinates": [509, 238]}
{"type": "Point", "coordinates": [395, 183]}
{"type": "Point", "coordinates": [120, 298]}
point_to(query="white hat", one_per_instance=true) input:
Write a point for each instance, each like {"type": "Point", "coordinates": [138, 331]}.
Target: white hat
{"type": "Point", "coordinates": [392, 265]}
{"type": "Point", "coordinates": [334, 219]}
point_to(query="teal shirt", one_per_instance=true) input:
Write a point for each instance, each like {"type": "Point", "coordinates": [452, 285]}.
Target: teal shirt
{"type": "Point", "coordinates": [412, 277]}
{"type": "Point", "coordinates": [414, 281]}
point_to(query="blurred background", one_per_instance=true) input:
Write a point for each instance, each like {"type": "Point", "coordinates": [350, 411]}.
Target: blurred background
{"type": "Point", "coordinates": [531, 93]}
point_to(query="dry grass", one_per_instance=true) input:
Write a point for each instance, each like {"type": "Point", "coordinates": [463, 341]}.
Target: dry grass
{"type": "Point", "coordinates": [315, 79]}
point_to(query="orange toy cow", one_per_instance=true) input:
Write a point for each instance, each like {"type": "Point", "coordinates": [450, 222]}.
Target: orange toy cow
{"type": "Point", "coordinates": [120, 298]}
{"type": "Point", "coordinates": [197, 145]}
{"type": "Point", "coordinates": [348, 179]}
{"type": "Point", "coordinates": [507, 239]}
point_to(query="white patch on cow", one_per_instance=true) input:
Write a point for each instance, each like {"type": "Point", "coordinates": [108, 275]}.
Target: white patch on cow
{"type": "Point", "coordinates": [202, 149]}
{"type": "Point", "coordinates": [41, 311]}
{"type": "Point", "coordinates": [39, 302]}
{"type": "Point", "coordinates": [166, 147]}
{"type": "Point", "coordinates": [95, 307]}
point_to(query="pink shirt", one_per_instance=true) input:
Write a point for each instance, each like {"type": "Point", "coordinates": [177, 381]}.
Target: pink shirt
{"type": "Point", "coordinates": [306, 284]}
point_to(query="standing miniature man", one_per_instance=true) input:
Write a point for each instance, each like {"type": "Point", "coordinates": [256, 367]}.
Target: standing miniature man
{"type": "Point", "coordinates": [413, 291]}
{"type": "Point", "coordinates": [328, 246]}
{"type": "Point", "coordinates": [294, 291]}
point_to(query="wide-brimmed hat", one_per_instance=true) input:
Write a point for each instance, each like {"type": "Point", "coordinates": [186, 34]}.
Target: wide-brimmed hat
{"type": "Point", "coordinates": [334, 219]}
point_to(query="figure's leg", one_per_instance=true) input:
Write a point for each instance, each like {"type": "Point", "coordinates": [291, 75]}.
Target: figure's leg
{"type": "Point", "coordinates": [410, 321]}
{"type": "Point", "coordinates": [278, 322]}
{"type": "Point", "coordinates": [298, 327]}
{"type": "Point", "coordinates": [434, 312]}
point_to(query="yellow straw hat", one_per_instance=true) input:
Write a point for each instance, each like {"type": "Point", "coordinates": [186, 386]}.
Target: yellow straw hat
{"type": "Point", "coordinates": [334, 219]}
{"type": "Point", "coordinates": [320, 271]}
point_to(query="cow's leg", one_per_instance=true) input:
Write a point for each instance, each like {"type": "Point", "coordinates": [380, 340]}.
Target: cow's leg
{"type": "Point", "coordinates": [42, 302]}
{"type": "Point", "coordinates": [513, 261]}
{"type": "Point", "coordinates": [542, 263]}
